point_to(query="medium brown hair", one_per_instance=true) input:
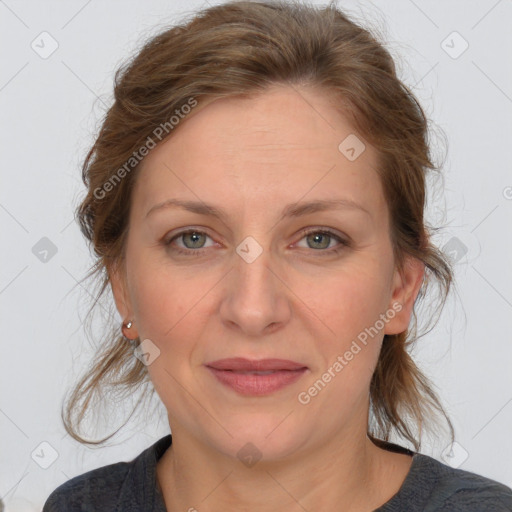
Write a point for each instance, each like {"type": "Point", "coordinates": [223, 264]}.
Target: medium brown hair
{"type": "Point", "coordinates": [240, 49]}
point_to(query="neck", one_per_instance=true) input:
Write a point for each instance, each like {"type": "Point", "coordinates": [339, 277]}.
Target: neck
{"type": "Point", "coordinates": [347, 469]}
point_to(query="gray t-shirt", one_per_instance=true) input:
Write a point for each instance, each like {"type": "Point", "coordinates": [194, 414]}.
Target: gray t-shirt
{"type": "Point", "coordinates": [133, 487]}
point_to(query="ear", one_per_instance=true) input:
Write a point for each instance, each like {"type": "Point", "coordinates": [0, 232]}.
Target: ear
{"type": "Point", "coordinates": [406, 286]}
{"type": "Point", "coordinates": [119, 286]}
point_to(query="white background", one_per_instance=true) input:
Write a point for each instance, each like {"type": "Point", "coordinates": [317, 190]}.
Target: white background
{"type": "Point", "coordinates": [50, 109]}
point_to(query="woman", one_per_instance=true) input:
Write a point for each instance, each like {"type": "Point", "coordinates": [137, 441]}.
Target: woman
{"type": "Point", "coordinates": [255, 199]}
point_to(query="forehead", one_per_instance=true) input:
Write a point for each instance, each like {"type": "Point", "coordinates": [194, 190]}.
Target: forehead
{"type": "Point", "coordinates": [280, 145]}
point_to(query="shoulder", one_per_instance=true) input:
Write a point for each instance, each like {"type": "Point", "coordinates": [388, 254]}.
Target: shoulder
{"type": "Point", "coordinates": [461, 490]}
{"type": "Point", "coordinates": [433, 486]}
{"type": "Point", "coordinates": [122, 486]}
{"type": "Point", "coordinates": [99, 489]}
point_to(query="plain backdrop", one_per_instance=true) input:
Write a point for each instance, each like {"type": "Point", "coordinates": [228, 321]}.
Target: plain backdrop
{"type": "Point", "coordinates": [456, 57]}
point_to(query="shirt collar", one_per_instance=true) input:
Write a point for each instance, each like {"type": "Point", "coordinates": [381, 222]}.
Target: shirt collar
{"type": "Point", "coordinates": [140, 489]}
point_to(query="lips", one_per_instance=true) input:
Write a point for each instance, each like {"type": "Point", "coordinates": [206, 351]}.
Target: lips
{"type": "Point", "coordinates": [256, 377]}
{"type": "Point", "coordinates": [241, 365]}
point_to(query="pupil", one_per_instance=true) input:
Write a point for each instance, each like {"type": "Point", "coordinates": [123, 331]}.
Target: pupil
{"type": "Point", "coordinates": [194, 237]}
{"type": "Point", "coordinates": [320, 236]}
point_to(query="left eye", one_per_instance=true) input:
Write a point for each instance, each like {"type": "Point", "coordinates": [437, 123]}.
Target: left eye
{"type": "Point", "coordinates": [321, 239]}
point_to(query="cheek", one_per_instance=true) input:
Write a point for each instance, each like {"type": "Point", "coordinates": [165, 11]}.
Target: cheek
{"type": "Point", "coordinates": [159, 292]}
{"type": "Point", "coordinates": [172, 305]}
{"type": "Point", "coordinates": [350, 301]}
{"type": "Point", "coordinates": [164, 306]}
{"type": "Point", "coordinates": [349, 305]}
{"type": "Point", "coordinates": [169, 312]}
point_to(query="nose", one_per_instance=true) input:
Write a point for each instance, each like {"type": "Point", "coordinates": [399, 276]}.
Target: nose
{"type": "Point", "coordinates": [256, 299]}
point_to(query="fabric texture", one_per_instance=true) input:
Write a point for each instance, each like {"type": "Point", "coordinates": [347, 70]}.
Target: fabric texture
{"type": "Point", "coordinates": [133, 487]}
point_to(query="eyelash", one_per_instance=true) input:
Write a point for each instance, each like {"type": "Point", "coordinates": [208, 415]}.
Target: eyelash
{"type": "Point", "coordinates": [325, 252]}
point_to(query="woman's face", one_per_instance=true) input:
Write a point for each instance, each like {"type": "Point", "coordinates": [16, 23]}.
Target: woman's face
{"type": "Point", "coordinates": [261, 281]}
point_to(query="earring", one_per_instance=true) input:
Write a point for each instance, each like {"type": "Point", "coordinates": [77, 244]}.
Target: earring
{"type": "Point", "coordinates": [127, 326]}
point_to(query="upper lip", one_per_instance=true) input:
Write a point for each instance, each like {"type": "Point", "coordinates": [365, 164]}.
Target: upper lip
{"type": "Point", "coordinates": [242, 364]}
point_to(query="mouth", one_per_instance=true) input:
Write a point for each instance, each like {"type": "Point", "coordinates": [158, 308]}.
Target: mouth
{"type": "Point", "coordinates": [256, 377]}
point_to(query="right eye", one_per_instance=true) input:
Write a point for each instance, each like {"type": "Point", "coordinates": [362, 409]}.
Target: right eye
{"type": "Point", "coordinates": [192, 239]}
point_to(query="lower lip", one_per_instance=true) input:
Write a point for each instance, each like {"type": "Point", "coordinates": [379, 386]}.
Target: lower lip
{"type": "Point", "coordinates": [257, 385]}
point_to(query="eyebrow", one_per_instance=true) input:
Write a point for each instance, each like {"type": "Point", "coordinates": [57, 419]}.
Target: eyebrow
{"type": "Point", "coordinates": [292, 210]}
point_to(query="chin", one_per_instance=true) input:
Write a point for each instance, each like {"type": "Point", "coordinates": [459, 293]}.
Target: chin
{"type": "Point", "coordinates": [263, 436]}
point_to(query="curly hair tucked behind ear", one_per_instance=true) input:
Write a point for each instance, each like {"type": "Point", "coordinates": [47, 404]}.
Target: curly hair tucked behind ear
{"type": "Point", "coordinates": [242, 48]}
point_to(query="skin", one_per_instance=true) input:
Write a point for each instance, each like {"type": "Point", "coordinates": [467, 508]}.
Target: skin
{"type": "Point", "coordinates": [295, 301]}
